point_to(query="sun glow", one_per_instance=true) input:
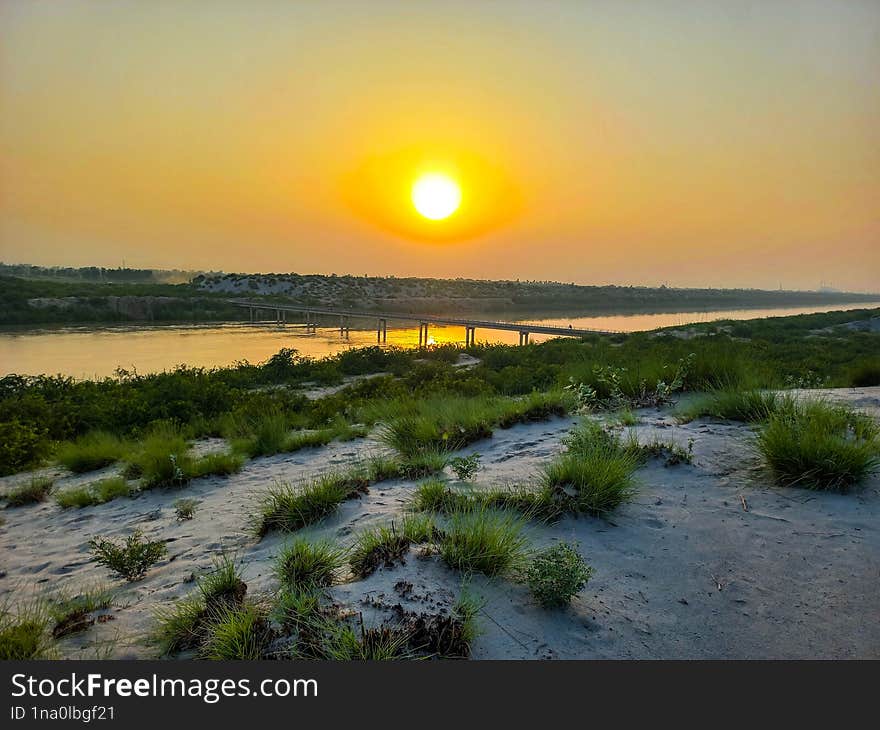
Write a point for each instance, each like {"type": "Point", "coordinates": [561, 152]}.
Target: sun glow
{"type": "Point", "coordinates": [436, 196]}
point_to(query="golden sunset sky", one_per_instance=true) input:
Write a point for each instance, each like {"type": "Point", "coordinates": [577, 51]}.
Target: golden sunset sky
{"type": "Point", "coordinates": [697, 144]}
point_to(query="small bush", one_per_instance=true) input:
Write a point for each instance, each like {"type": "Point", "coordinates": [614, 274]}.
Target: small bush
{"type": "Point", "coordinates": [465, 468]}
{"type": "Point", "coordinates": [98, 492]}
{"type": "Point", "coordinates": [483, 540]}
{"type": "Point", "coordinates": [556, 574]}
{"type": "Point", "coordinates": [22, 446]}
{"type": "Point", "coordinates": [93, 451]}
{"type": "Point", "coordinates": [865, 374]}
{"type": "Point", "coordinates": [36, 490]}
{"type": "Point", "coordinates": [185, 509]}
{"type": "Point", "coordinates": [131, 559]}
{"type": "Point", "coordinates": [303, 565]}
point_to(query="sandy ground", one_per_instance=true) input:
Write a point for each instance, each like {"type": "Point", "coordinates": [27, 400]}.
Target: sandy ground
{"type": "Point", "coordinates": [709, 561]}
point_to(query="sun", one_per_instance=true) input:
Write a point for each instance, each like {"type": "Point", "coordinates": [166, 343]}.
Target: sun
{"type": "Point", "coordinates": [436, 196]}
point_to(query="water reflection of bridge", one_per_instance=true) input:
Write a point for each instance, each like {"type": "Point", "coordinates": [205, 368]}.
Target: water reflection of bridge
{"type": "Point", "coordinates": [280, 312]}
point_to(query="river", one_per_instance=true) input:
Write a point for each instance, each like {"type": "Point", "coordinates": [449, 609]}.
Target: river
{"type": "Point", "coordinates": [94, 351]}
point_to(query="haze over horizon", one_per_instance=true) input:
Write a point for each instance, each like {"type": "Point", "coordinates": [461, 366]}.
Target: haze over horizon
{"type": "Point", "coordinates": [698, 145]}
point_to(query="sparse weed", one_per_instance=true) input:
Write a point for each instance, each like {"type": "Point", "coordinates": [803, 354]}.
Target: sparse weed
{"type": "Point", "coordinates": [31, 492]}
{"type": "Point", "coordinates": [185, 508]}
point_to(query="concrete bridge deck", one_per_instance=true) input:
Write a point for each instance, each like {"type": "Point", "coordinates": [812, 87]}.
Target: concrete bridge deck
{"type": "Point", "coordinates": [382, 318]}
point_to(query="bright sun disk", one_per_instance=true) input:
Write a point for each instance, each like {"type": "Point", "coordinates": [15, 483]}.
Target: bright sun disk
{"type": "Point", "coordinates": [436, 196]}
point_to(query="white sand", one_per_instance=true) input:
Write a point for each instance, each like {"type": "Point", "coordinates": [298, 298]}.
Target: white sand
{"type": "Point", "coordinates": [683, 571]}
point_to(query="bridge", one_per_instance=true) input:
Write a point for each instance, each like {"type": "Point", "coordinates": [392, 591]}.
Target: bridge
{"type": "Point", "coordinates": [310, 314]}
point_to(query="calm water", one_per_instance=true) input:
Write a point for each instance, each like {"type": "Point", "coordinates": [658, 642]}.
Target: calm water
{"type": "Point", "coordinates": [88, 352]}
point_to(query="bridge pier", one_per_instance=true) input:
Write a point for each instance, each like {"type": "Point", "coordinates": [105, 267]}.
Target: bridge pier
{"type": "Point", "coordinates": [344, 329]}
{"type": "Point", "coordinates": [423, 334]}
{"type": "Point", "coordinates": [381, 330]}
{"type": "Point", "coordinates": [469, 335]}
{"type": "Point", "coordinates": [523, 338]}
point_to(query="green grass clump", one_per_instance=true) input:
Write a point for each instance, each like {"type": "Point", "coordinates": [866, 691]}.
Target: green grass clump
{"type": "Point", "coordinates": [130, 559]}
{"type": "Point", "coordinates": [236, 632]}
{"type": "Point", "coordinates": [435, 495]}
{"type": "Point", "coordinates": [24, 633]}
{"type": "Point", "coordinates": [596, 467]}
{"type": "Point", "coordinates": [820, 446]}
{"type": "Point", "coordinates": [387, 544]}
{"type": "Point", "coordinates": [98, 492]}
{"type": "Point", "coordinates": [341, 642]}
{"type": "Point", "coordinates": [556, 574]}
{"type": "Point", "coordinates": [539, 503]}
{"type": "Point", "coordinates": [219, 464]}
{"type": "Point", "coordinates": [31, 492]}
{"type": "Point", "coordinates": [288, 508]}
{"type": "Point", "coordinates": [161, 460]}
{"type": "Point", "coordinates": [423, 464]}
{"type": "Point", "coordinates": [268, 436]}
{"type": "Point", "coordinates": [184, 625]}
{"type": "Point", "coordinates": [95, 450]}
{"type": "Point", "coordinates": [865, 374]}
{"type": "Point", "coordinates": [748, 406]}
{"type": "Point", "coordinates": [303, 565]}
{"type": "Point", "coordinates": [483, 540]}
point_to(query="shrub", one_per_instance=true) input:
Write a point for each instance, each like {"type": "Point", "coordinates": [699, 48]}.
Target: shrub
{"type": "Point", "coordinates": [22, 446]}
{"type": "Point", "coordinates": [865, 374]}
{"type": "Point", "coordinates": [556, 574]}
{"type": "Point", "coordinates": [131, 559]}
{"type": "Point", "coordinates": [304, 565]}
{"type": "Point", "coordinates": [483, 540]}
{"type": "Point", "coordinates": [820, 446]}
{"type": "Point", "coordinates": [33, 491]}
{"type": "Point", "coordinates": [185, 509]}
{"type": "Point", "coordinates": [98, 492]}
{"type": "Point", "coordinates": [95, 450]}
{"type": "Point", "coordinates": [465, 467]}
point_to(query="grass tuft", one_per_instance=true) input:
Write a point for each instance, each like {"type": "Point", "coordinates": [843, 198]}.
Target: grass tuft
{"type": "Point", "coordinates": [303, 565]}
{"type": "Point", "coordinates": [483, 540]}
{"type": "Point", "coordinates": [239, 632]}
{"type": "Point", "coordinates": [95, 450]}
{"type": "Point", "coordinates": [820, 446]}
{"type": "Point", "coordinates": [36, 490]}
{"type": "Point", "coordinates": [98, 492]}
{"type": "Point", "coordinates": [288, 508]}
{"type": "Point", "coordinates": [24, 633]}
{"type": "Point", "coordinates": [386, 545]}
{"type": "Point", "coordinates": [595, 474]}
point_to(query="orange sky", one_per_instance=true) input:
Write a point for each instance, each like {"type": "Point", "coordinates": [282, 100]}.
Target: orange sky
{"type": "Point", "coordinates": [720, 144]}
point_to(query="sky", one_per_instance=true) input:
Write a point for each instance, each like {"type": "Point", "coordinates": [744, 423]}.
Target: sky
{"type": "Point", "coordinates": [723, 144]}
